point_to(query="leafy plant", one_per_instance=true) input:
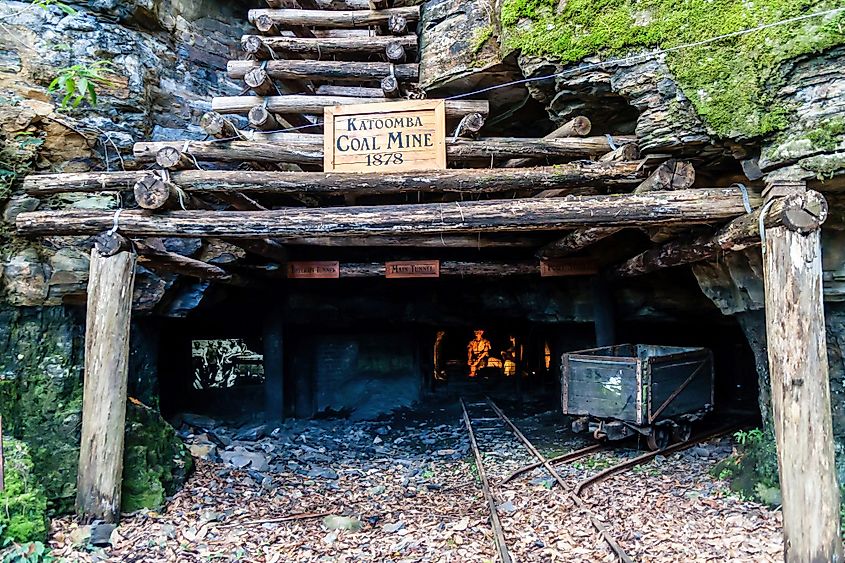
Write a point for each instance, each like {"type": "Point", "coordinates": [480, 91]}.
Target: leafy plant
{"type": "Point", "coordinates": [35, 552]}
{"type": "Point", "coordinates": [45, 4]}
{"type": "Point", "coordinates": [79, 82]}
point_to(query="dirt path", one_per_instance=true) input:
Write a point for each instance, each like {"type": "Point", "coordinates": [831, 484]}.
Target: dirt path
{"type": "Point", "coordinates": [411, 488]}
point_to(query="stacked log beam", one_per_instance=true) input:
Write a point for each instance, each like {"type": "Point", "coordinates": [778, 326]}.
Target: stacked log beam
{"type": "Point", "coordinates": [333, 18]}
{"type": "Point", "coordinates": [455, 109]}
{"type": "Point", "coordinates": [517, 215]}
{"type": "Point", "coordinates": [804, 211]}
{"type": "Point", "coordinates": [300, 148]}
{"type": "Point", "coordinates": [260, 47]}
{"type": "Point", "coordinates": [476, 181]}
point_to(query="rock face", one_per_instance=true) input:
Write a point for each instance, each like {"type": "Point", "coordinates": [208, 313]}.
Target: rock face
{"type": "Point", "coordinates": [41, 404]}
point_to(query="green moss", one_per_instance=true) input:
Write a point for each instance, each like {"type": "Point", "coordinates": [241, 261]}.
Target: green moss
{"type": "Point", "coordinates": [730, 82]}
{"type": "Point", "coordinates": [480, 37]}
{"type": "Point", "coordinates": [828, 135]}
{"type": "Point", "coordinates": [753, 470]}
{"type": "Point", "coordinates": [155, 461]}
{"type": "Point", "coordinates": [23, 505]}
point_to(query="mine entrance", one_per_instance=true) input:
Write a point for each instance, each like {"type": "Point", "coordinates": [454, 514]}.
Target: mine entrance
{"type": "Point", "coordinates": [362, 348]}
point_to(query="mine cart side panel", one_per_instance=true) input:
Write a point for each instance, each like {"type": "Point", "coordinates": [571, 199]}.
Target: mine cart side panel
{"type": "Point", "coordinates": [603, 387]}
{"type": "Point", "coordinates": [679, 384]}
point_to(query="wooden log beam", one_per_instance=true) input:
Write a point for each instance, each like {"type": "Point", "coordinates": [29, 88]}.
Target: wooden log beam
{"type": "Point", "coordinates": [261, 46]}
{"type": "Point", "coordinates": [670, 175]}
{"type": "Point", "coordinates": [300, 103]}
{"type": "Point", "coordinates": [217, 126]}
{"type": "Point", "coordinates": [172, 158]}
{"type": "Point", "coordinates": [261, 119]}
{"type": "Point", "coordinates": [397, 24]}
{"type": "Point", "coordinates": [390, 87]}
{"type": "Point", "coordinates": [578, 126]}
{"type": "Point", "coordinates": [333, 19]}
{"type": "Point", "coordinates": [99, 479]}
{"type": "Point", "coordinates": [801, 211]}
{"type": "Point", "coordinates": [463, 180]}
{"type": "Point", "coordinates": [289, 147]}
{"type": "Point", "coordinates": [578, 239]}
{"type": "Point", "coordinates": [509, 215]}
{"type": "Point", "coordinates": [322, 70]}
{"type": "Point", "coordinates": [305, 148]}
{"type": "Point", "coordinates": [152, 255]}
{"type": "Point", "coordinates": [154, 193]}
{"type": "Point", "coordinates": [801, 407]}
{"type": "Point", "coordinates": [476, 241]}
{"type": "Point", "coordinates": [395, 52]}
{"type": "Point", "coordinates": [352, 91]}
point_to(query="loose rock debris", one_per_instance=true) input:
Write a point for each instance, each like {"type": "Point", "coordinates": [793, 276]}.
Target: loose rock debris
{"type": "Point", "coordinates": [405, 490]}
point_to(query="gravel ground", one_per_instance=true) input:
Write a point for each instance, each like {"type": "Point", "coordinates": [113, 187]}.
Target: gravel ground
{"type": "Point", "coordinates": [405, 490]}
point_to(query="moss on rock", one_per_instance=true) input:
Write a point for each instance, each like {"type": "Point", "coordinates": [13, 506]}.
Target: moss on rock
{"type": "Point", "coordinates": [155, 460]}
{"type": "Point", "coordinates": [41, 403]}
{"type": "Point", "coordinates": [24, 514]}
{"type": "Point", "coordinates": [730, 82]}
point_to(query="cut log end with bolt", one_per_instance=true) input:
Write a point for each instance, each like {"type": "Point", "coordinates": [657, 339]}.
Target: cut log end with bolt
{"type": "Point", "coordinates": [261, 119]}
{"type": "Point", "coordinates": [172, 158]}
{"type": "Point", "coordinates": [259, 81]}
{"type": "Point", "coordinates": [254, 45]}
{"type": "Point", "coordinates": [110, 243]}
{"type": "Point", "coordinates": [217, 126]}
{"type": "Point", "coordinates": [397, 25]}
{"type": "Point", "coordinates": [395, 52]}
{"type": "Point", "coordinates": [670, 175]}
{"type": "Point", "coordinates": [390, 87]}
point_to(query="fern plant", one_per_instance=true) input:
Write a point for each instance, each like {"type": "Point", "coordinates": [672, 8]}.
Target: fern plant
{"type": "Point", "coordinates": [79, 82]}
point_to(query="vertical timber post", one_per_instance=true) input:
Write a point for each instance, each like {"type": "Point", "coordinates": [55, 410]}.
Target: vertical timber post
{"type": "Point", "coordinates": [274, 365]}
{"type": "Point", "coordinates": [798, 366]}
{"type": "Point", "coordinates": [603, 312]}
{"type": "Point", "coordinates": [110, 284]}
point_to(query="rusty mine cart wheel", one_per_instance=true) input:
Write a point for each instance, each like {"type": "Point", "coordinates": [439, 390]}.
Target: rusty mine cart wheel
{"type": "Point", "coordinates": [657, 439]}
{"type": "Point", "coordinates": [682, 432]}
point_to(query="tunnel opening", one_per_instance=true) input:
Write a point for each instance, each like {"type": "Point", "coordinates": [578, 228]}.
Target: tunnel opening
{"type": "Point", "coordinates": [364, 348]}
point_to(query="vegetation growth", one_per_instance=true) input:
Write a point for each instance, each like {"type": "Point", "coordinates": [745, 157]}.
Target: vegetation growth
{"type": "Point", "coordinates": [730, 82]}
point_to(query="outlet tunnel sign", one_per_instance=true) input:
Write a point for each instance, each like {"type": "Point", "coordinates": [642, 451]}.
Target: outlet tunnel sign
{"type": "Point", "coordinates": [385, 137]}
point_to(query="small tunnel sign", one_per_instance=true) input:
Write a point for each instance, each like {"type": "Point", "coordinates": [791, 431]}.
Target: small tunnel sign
{"type": "Point", "coordinates": [385, 137]}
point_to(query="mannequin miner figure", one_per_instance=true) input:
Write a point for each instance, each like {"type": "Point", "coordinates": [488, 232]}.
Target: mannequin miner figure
{"type": "Point", "coordinates": [478, 352]}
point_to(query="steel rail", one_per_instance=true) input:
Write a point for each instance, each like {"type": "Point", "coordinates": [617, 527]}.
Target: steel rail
{"type": "Point", "coordinates": [564, 458]}
{"type": "Point", "coordinates": [496, 524]}
{"type": "Point", "coordinates": [600, 528]}
{"type": "Point", "coordinates": [648, 456]}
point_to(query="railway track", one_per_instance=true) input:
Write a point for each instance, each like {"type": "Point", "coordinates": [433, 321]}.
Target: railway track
{"type": "Point", "coordinates": [548, 464]}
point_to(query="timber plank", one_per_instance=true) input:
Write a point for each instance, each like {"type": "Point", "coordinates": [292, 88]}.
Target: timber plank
{"type": "Point", "coordinates": [324, 70]}
{"type": "Point", "coordinates": [300, 103]}
{"type": "Point", "coordinates": [508, 215]}
{"type": "Point", "coordinates": [333, 18]}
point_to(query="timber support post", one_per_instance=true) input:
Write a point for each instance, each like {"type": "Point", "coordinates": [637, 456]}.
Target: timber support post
{"type": "Point", "coordinates": [110, 285]}
{"type": "Point", "coordinates": [274, 364]}
{"type": "Point", "coordinates": [798, 366]}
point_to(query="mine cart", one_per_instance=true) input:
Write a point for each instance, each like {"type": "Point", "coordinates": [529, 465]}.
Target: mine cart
{"type": "Point", "coordinates": [655, 391]}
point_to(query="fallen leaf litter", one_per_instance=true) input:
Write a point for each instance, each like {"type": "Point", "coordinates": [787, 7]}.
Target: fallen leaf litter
{"type": "Point", "coordinates": [405, 490]}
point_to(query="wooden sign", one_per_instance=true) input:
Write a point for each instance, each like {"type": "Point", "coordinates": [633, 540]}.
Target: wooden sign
{"type": "Point", "coordinates": [412, 269]}
{"type": "Point", "coordinates": [313, 270]}
{"type": "Point", "coordinates": [561, 267]}
{"type": "Point", "coordinates": [385, 137]}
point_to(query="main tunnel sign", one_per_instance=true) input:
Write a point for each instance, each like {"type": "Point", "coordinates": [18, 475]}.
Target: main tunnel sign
{"type": "Point", "coordinates": [385, 137]}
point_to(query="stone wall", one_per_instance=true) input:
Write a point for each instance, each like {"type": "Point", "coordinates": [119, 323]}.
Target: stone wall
{"type": "Point", "coordinates": [167, 59]}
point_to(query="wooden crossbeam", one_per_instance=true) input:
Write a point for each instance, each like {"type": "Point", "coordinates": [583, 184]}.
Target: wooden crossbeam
{"type": "Point", "coordinates": [324, 70]}
{"type": "Point", "coordinates": [306, 148]}
{"type": "Point", "coordinates": [464, 180]}
{"type": "Point", "coordinates": [510, 215]}
{"type": "Point", "coordinates": [802, 211]}
{"type": "Point", "coordinates": [325, 45]}
{"type": "Point", "coordinates": [476, 241]}
{"type": "Point", "coordinates": [327, 18]}
{"type": "Point", "coordinates": [455, 109]}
